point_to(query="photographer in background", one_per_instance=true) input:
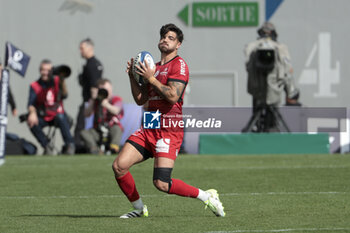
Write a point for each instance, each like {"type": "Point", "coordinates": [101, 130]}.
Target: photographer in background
{"type": "Point", "coordinates": [45, 107]}
{"type": "Point", "coordinates": [108, 111]}
{"type": "Point", "coordinates": [270, 73]}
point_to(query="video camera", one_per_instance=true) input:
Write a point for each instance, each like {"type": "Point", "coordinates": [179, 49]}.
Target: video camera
{"type": "Point", "coordinates": [263, 56]}
{"type": "Point", "coordinates": [265, 60]}
{"type": "Point", "coordinates": [262, 62]}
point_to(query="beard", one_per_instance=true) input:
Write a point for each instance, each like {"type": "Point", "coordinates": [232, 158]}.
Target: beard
{"type": "Point", "coordinates": [165, 49]}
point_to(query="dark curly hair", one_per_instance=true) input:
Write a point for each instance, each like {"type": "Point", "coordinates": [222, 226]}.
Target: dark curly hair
{"type": "Point", "coordinates": [173, 28]}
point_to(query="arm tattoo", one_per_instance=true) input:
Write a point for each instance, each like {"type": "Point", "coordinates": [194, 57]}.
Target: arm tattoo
{"type": "Point", "coordinates": [179, 87]}
{"type": "Point", "coordinates": [165, 89]}
{"type": "Point", "coordinates": [168, 91]}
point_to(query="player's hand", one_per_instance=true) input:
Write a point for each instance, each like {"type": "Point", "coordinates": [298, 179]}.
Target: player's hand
{"type": "Point", "coordinates": [129, 68]}
{"type": "Point", "coordinates": [32, 119]}
{"type": "Point", "coordinates": [145, 71]}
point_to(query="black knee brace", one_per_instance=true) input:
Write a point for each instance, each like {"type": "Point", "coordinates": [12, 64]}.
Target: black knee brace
{"type": "Point", "coordinates": [163, 174]}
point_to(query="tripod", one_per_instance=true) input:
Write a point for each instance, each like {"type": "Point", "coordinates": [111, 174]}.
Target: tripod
{"type": "Point", "coordinates": [266, 118]}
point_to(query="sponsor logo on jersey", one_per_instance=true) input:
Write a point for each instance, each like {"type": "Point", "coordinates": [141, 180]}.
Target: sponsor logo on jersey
{"type": "Point", "coordinates": [163, 145]}
{"type": "Point", "coordinates": [164, 72]}
{"type": "Point", "coordinates": [182, 67]}
{"type": "Point", "coordinates": [156, 74]}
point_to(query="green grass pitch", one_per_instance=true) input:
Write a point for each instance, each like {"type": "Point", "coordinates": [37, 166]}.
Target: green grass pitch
{"type": "Point", "coordinates": [265, 193]}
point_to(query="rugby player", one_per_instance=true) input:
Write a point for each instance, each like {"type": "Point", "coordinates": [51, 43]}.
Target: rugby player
{"type": "Point", "coordinates": [163, 93]}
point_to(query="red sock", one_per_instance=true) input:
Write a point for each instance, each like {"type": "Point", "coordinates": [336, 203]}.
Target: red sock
{"type": "Point", "coordinates": [127, 185]}
{"type": "Point", "coordinates": [180, 188]}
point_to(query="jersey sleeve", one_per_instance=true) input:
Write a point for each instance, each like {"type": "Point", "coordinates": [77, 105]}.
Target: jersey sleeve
{"type": "Point", "coordinates": [179, 72]}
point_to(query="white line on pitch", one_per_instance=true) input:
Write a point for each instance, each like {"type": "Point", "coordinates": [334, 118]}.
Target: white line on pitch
{"type": "Point", "coordinates": [276, 167]}
{"type": "Point", "coordinates": [165, 195]}
{"type": "Point", "coordinates": [283, 230]}
{"type": "Point", "coordinates": [281, 193]}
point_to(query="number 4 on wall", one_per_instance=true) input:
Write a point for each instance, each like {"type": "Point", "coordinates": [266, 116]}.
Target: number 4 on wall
{"type": "Point", "coordinates": [324, 76]}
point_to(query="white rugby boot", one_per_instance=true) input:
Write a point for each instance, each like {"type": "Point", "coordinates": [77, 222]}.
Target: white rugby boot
{"type": "Point", "coordinates": [214, 203]}
{"type": "Point", "coordinates": [136, 213]}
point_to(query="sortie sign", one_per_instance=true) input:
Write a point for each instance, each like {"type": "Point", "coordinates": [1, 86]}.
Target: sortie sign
{"type": "Point", "coordinates": [220, 14]}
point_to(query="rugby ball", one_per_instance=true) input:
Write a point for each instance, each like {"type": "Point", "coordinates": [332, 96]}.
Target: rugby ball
{"type": "Point", "coordinates": [141, 58]}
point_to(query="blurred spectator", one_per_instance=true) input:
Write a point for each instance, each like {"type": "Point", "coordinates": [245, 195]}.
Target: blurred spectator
{"type": "Point", "coordinates": [92, 72]}
{"type": "Point", "coordinates": [108, 111]}
{"type": "Point", "coordinates": [45, 107]}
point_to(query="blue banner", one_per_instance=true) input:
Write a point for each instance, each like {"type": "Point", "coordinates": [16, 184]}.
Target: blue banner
{"type": "Point", "coordinates": [4, 90]}
{"type": "Point", "coordinates": [16, 59]}
{"type": "Point", "coordinates": [270, 8]}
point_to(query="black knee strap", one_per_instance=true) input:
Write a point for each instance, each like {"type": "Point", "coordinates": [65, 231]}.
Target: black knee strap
{"type": "Point", "coordinates": [162, 173]}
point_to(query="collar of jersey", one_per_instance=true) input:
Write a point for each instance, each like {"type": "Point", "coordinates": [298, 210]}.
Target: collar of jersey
{"type": "Point", "coordinates": [169, 60]}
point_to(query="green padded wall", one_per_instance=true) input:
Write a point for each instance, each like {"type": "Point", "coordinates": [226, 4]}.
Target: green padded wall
{"type": "Point", "coordinates": [264, 143]}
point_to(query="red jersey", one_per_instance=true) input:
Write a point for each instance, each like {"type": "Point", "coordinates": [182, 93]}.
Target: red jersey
{"type": "Point", "coordinates": [107, 117]}
{"type": "Point", "coordinates": [166, 141]}
{"type": "Point", "coordinates": [47, 99]}
{"type": "Point", "coordinates": [174, 70]}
